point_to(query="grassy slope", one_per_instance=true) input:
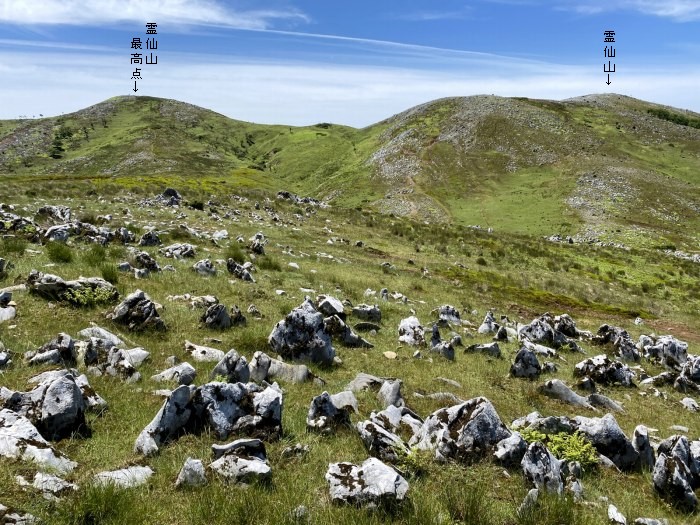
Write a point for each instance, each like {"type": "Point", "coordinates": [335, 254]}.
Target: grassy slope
{"type": "Point", "coordinates": [522, 277]}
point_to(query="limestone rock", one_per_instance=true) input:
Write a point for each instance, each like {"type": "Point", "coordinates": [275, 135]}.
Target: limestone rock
{"type": "Point", "coordinates": [390, 393]}
{"type": "Point", "coordinates": [204, 267]}
{"type": "Point", "coordinates": [60, 350]}
{"type": "Point", "coordinates": [640, 443]}
{"type": "Point", "coordinates": [137, 312]}
{"type": "Point", "coordinates": [244, 460]}
{"type": "Point", "coordinates": [327, 412]}
{"type": "Point", "coordinates": [19, 439]}
{"type": "Point", "coordinates": [335, 326]}
{"type": "Point", "coordinates": [609, 440]}
{"type": "Point", "coordinates": [259, 367]}
{"type": "Point", "coordinates": [329, 306]}
{"type": "Point", "coordinates": [168, 422]}
{"type": "Point", "coordinates": [465, 432]}
{"type": "Point", "coordinates": [672, 480]}
{"type": "Point", "coordinates": [302, 335]}
{"type": "Point", "coordinates": [124, 478]}
{"type": "Point", "coordinates": [526, 364]}
{"type": "Point", "coordinates": [233, 367]}
{"type": "Point", "coordinates": [558, 390]}
{"type": "Point", "coordinates": [370, 483]}
{"type": "Point", "coordinates": [604, 371]}
{"type": "Point", "coordinates": [204, 354]}
{"type": "Point", "coordinates": [489, 325]}
{"type": "Point", "coordinates": [182, 374]}
{"type": "Point", "coordinates": [368, 313]}
{"type": "Point", "coordinates": [191, 474]}
{"type": "Point", "coordinates": [239, 271]}
{"type": "Point", "coordinates": [510, 451]}
{"type": "Point", "coordinates": [490, 349]}
{"type": "Point", "coordinates": [542, 469]}
{"type": "Point", "coordinates": [411, 332]}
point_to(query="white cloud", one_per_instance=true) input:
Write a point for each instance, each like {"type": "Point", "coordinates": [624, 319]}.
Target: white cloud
{"type": "Point", "coordinates": [679, 10]}
{"type": "Point", "coordinates": [306, 93]}
{"type": "Point", "coordinates": [173, 12]}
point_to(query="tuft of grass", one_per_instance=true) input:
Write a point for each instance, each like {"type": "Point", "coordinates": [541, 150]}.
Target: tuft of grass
{"type": "Point", "coordinates": [98, 505]}
{"type": "Point", "coordinates": [234, 251]}
{"type": "Point", "coordinates": [267, 262]}
{"type": "Point", "coordinates": [95, 255]}
{"type": "Point", "coordinates": [13, 245]}
{"type": "Point", "coordinates": [109, 273]}
{"type": "Point", "coordinates": [59, 252]}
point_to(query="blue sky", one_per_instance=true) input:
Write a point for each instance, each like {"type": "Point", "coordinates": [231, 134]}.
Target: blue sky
{"type": "Point", "coordinates": [355, 63]}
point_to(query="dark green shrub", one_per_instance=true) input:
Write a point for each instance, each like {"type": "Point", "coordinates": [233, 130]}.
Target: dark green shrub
{"type": "Point", "coordinates": [59, 252]}
{"type": "Point", "coordinates": [481, 261]}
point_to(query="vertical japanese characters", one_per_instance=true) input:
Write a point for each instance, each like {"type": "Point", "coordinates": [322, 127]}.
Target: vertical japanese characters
{"type": "Point", "coordinates": [609, 53]}
{"type": "Point", "coordinates": [141, 56]}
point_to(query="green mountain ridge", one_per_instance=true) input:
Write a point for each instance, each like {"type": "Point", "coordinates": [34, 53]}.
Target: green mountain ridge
{"type": "Point", "coordinates": [597, 167]}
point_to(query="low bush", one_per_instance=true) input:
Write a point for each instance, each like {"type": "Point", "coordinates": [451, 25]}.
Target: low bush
{"type": "Point", "coordinates": [59, 252]}
{"type": "Point", "coordinates": [235, 252]}
{"type": "Point", "coordinates": [95, 255]}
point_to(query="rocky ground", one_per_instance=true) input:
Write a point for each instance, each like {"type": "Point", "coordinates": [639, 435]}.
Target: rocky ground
{"type": "Point", "coordinates": [268, 359]}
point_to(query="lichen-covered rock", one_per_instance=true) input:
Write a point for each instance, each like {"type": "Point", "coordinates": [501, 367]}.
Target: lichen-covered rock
{"type": "Point", "coordinates": [243, 460]}
{"type": "Point", "coordinates": [390, 393]}
{"type": "Point", "coordinates": [448, 314]}
{"type": "Point", "coordinates": [204, 267]}
{"type": "Point", "coordinates": [542, 469]}
{"type": "Point", "coordinates": [192, 474]}
{"type": "Point", "coordinates": [382, 443]}
{"type": "Point", "coordinates": [138, 312]}
{"type": "Point", "coordinates": [182, 374]}
{"type": "Point", "coordinates": [167, 424]}
{"type": "Point", "coordinates": [229, 408]}
{"type": "Point", "coordinates": [672, 480]}
{"type": "Point", "coordinates": [557, 389]}
{"type": "Point", "coordinates": [20, 439]}
{"type": "Point", "coordinates": [411, 332]}
{"type": "Point", "coordinates": [371, 483]}
{"type": "Point", "coordinates": [465, 432]}
{"type": "Point", "coordinates": [526, 364]}
{"type": "Point", "coordinates": [233, 367]}
{"type": "Point", "coordinates": [609, 440]}
{"type": "Point", "coordinates": [259, 367]}
{"type": "Point", "coordinates": [604, 371]}
{"type": "Point", "coordinates": [327, 412]}
{"type": "Point", "coordinates": [302, 335]}
{"type": "Point", "coordinates": [368, 313]}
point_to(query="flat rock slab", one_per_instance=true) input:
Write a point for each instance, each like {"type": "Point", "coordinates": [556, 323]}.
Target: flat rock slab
{"type": "Point", "coordinates": [124, 478]}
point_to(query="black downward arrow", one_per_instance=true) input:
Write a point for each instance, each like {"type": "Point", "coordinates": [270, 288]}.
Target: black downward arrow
{"type": "Point", "coordinates": [608, 82]}
{"type": "Point", "coordinates": [136, 89]}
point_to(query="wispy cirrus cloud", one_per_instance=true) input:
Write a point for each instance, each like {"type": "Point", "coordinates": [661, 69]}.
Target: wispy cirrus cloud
{"type": "Point", "coordinates": [173, 12]}
{"type": "Point", "coordinates": [435, 15]}
{"type": "Point", "coordinates": [678, 10]}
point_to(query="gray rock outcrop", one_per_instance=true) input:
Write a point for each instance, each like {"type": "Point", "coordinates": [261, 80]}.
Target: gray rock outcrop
{"type": "Point", "coordinates": [138, 312]}
{"type": "Point", "coordinates": [302, 335]}
{"type": "Point", "coordinates": [465, 432]}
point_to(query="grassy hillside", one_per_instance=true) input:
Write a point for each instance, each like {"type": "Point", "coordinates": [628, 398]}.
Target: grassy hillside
{"type": "Point", "coordinates": [604, 168]}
